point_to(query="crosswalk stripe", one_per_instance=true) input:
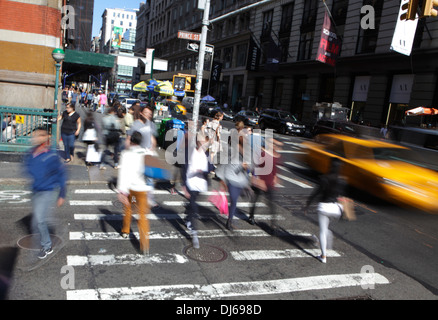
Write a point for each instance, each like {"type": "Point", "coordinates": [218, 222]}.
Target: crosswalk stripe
{"type": "Point", "coordinates": [166, 203]}
{"type": "Point", "coordinates": [279, 254]}
{"type": "Point", "coordinates": [233, 289]}
{"type": "Point", "coordinates": [151, 216]}
{"type": "Point", "coordinates": [298, 183]}
{"type": "Point", "coordinates": [292, 164]}
{"type": "Point", "coordinates": [140, 259]}
{"type": "Point", "coordinates": [290, 151]}
{"type": "Point", "coordinates": [156, 192]}
{"type": "Point", "coordinates": [82, 235]}
{"type": "Point", "coordinates": [126, 259]}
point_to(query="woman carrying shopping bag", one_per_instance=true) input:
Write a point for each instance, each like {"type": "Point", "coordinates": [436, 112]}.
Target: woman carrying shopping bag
{"type": "Point", "coordinates": [330, 188]}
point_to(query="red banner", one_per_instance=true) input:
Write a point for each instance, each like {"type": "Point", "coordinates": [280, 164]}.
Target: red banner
{"type": "Point", "coordinates": [329, 45]}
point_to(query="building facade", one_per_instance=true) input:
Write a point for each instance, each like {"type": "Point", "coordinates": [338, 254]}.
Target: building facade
{"type": "Point", "coordinates": [378, 84]}
{"type": "Point", "coordinates": [29, 31]}
{"type": "Point", "coordinates": [79, 37]}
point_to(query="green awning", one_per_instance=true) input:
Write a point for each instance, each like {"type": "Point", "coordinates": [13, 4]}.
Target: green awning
{"type": "Point", "coordinates": [89, 58]}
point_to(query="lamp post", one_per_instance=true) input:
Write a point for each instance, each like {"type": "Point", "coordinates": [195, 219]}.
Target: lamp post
{"type": "Point", "coordinates": [57, 55]}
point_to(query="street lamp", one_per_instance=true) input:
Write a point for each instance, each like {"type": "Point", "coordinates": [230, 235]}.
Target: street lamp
{"type": "Point", "coordinates": [57, 55]}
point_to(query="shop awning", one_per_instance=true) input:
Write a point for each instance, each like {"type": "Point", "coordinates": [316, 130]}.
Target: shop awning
{"type": "Point", "coordinates": [89, 58]}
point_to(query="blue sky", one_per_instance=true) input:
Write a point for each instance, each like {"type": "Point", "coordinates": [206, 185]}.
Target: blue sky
{"type": "Point", "coordinates": [101, 5]}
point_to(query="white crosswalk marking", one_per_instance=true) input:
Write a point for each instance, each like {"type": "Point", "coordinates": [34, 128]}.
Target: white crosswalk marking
{"type": "Point", "coordinates": [151, 216]}
{"type": "Point", "coordinates": [225, 290]}
{"type": "Point", "coordinates": [107, 250]}
{"type": "Point", "coordinates": [82, 235]}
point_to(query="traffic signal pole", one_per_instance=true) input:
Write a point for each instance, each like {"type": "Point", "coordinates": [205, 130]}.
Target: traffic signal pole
{"type": "Point", "coordinates": [200, 71]}
{"type": "Point", "coordinates": [205, 22]}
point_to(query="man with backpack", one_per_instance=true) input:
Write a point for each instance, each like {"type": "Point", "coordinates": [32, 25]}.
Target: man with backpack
{"type": "Point", "coordinates": [111, 130]}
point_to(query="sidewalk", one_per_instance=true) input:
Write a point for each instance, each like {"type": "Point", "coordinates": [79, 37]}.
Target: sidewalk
{"type": "Point", "coordinates": [11, 171]}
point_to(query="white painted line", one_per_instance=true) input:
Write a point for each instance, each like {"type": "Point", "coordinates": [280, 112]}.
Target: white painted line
{"type": "Point", "coordinates": [296, 144]}
{"type": "Point", "coordinates": [126, 259]}
{"type": "Point", "coordinates": [90, 203]}
{"type": "Point", "coordinates": [279, 254]}
{"type": "Point", "coordinates": [166, 203]}
{"type": "Point", "coordinates": [151, 216]}
{"type": "Point", "coordinates": [294, 165]}
{"type": "Point", "coordinates": [298, 183]}
{"type": "Point", "coordinates": [82, 235]}
{"type": "Point", "coordinates": [290, 151]}
{"type": "Point", "coordinates": [157, 192]}
{"type": "Point", "coordinates": [233, 289]}
{"type": "Point", "coordinates": [209, 204]}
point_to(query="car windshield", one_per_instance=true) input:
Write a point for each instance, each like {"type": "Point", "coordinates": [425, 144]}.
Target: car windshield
{"type": "Point", "coordinates": [251, 114]}
{"type": "Point", "coordinates": [287, 116]}
{"type": "Point", "coordinates": [388, 154]}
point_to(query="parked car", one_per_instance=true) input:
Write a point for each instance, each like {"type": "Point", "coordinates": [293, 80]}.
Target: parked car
{"type": "Point", "coordinates": [249, 118]}
{"type": "Point", "coordinates": [282, 121]}
{"type": "Point", "coordinates": [385, 170]}
{"type": "Point", "coordinates": [120, 97]}
{"type": "Point", "coordinates": [333, 126]}
{"type": "Point", "coordinates": [206, 107]}
{"type": "Point", "coordinates": [188, 103]}
{"type": "Point", "coordinates": [228, 115]}
{"type": "Point", "coordinates": [127, 103]}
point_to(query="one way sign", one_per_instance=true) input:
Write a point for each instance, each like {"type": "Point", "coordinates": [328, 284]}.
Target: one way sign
{"type": "Point", "coordinates": [193, 46]}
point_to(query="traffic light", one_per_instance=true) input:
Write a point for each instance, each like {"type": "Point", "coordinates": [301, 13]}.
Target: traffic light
{"type": "Point", "coordinates": [411, 12]}
{"type": "Point", "coordinates": [428, 8]}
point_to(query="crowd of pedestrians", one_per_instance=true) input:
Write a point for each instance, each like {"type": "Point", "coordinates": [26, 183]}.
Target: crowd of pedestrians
{"type": "Point", "coordinates": [131, 135]}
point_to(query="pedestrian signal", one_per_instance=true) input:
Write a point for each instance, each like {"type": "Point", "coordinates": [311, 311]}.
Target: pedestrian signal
{"type": "Point", "coordinates": [411, 7]}
{"type": "Point", "coordinates": [428, 8]}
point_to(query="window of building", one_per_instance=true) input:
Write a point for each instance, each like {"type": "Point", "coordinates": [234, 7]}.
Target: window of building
{"type": "Point", "coordinates": [307, 29]}
{"type": "Point", "coordinates": [267, 23]}
{"type": "Point", "coordinates": [228, 57]}
{"type": "Point", "coordinates": [287, 12]}
{"type": "Point", "coordinates": [367, 39]}
{"type": "Point", "coordinates": [242, 49]}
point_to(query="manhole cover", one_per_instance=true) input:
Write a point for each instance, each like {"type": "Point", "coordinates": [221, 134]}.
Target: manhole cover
{"type": "Point", "coordinates": [32, 242]}
{"type": "Point", "coordinates": [205, 253]}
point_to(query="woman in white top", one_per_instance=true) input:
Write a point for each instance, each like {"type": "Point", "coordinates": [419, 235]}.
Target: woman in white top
{"type": "Point", "coordinates": [196, 182]}
{"type": "Point", "coordinates": [131, 183]}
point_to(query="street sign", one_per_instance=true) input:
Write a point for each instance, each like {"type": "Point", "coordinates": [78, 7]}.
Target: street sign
{"type": "Point", "coordinates": [187, 35]}
{"type": "Point", "coordinates": [193, 46]}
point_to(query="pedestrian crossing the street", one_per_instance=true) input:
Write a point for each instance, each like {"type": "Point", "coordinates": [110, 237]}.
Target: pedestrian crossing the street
{"type": "Point", "coordinates": [170, 272]}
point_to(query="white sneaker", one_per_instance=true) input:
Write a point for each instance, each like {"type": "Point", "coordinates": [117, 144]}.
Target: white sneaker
{"type": "Point", "coordinates": [323, 260]}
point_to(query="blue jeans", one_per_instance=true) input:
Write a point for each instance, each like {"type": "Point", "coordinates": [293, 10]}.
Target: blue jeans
{"type": "Point", "coordinates": [234, 192]}
{"type": "Point", "coordinates": [69, 144]}
{"type": "Point", "coordinates": [43, 203]}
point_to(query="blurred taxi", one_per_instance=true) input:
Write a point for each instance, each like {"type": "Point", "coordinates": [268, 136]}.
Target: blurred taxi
{"type": "Point", "coordinates": [386, 170]}
{"type": "Point", "coordinates": [178, 106]}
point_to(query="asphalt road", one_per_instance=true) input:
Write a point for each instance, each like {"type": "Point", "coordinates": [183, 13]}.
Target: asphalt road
{"type": "Point", "coordinates": [387, 253]}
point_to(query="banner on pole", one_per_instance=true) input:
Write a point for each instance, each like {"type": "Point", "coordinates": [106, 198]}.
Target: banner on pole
{"type": "Point", "coordinates": [330, 44]}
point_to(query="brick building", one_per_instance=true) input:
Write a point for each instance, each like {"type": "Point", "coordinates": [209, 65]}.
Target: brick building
{"type": "Point", "coordinates": [29, 31]}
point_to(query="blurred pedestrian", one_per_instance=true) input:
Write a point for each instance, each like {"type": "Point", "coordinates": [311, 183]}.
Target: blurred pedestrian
{"type": "Point", "coordinates": [91, 138]}
{"type": "Point", "coordinates": [95, 101]}
{"type": "Point", "coordinates": [265, 182]}
{"type": "Point", "coordinates": [234, 177]}
{"type": "Point", "coordinates": [48, 175]}
{"type": "Point", "coordinates": [143, 123]}
{"type": "Point", "coordinates": [103, 101]}
{"type": "Point", "coordinates": [131, 184]}
{"type": "Point", "coordinates": [70, 128]}
{"type": "Point", "coordinates": [111, 128]}
{"type": "Point", "coordinates": [331, 187]}
{"type": "Point", "coordinates": [215, 130]}
{"type": "Point", "coordinates": [196, 182]}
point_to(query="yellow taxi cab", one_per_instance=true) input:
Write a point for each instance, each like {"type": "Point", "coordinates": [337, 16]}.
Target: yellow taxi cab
{"type": "Point", "coordinates": [178, 106]}
{"type": "Point", "coordinates": [385, 170]}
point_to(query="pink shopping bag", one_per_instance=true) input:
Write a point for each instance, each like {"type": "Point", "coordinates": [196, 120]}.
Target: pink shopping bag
{"type": "Point", "coordinates": [220, 201]}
